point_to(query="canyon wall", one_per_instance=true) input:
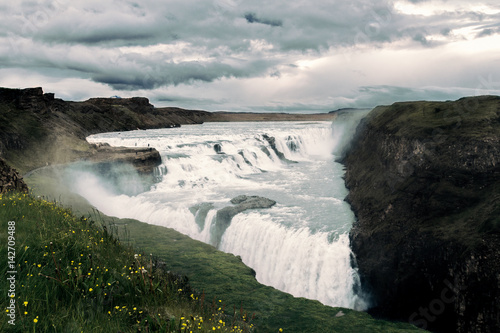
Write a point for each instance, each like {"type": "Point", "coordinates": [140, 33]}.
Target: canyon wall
{"type": "Point", "coordinates": [424, 181]}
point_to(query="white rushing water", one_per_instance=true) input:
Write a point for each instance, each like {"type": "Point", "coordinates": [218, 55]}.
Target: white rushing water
{"type": "Point", "coordinates": [300, 245]}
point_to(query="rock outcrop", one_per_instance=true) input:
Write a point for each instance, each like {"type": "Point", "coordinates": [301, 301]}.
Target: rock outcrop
{"type": "Point", "coordinates": [145, 160]}
{"type": "Point", "coordinates": [424, 181]}
{"type": "Point", "coordinates": [241, 203]}
{"type": "Point", "coordinates": [10, 180]}
{"type": "Point", "coordinates": [272, 143]}
{"type": "Point", "coordinates": [37, 129]}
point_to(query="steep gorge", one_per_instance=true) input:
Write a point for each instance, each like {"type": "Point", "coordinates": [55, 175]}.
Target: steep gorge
{"type": "Point", "coordinates": [424, 181]}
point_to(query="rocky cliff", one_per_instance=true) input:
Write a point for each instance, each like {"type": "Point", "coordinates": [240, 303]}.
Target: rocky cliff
{"type": "Point", "coordinates": [37, 129]}
{"type": "Point", "coordinates": [424, 181]}
{"type": "Point", "coordinates": [10, 180]}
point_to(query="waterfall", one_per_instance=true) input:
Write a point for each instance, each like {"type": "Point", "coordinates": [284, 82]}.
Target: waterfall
{"type": "Point", "coordinates": [300, 245]}
{"type": "Point", "coordinates": [295, 260]}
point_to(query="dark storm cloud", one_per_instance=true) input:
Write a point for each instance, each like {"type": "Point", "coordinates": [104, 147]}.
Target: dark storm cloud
{"type": "Point", "coordinates": [252, 18]}
{"type": "Point", "coordinates": [316, 26]}
{"type": "Point", "coordinates": [167, 74]}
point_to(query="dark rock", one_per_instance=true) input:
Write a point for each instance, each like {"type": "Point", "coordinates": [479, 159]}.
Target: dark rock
{"type": "Point", "coordinates": [425, 187]}
{"type": "Point", "coordinates": [137, 104]}
{"type": "Point", "coordinates": [272, 143]}
{"type": "Point", "coordinates": [145, 160]}
{"type": "Point", "coordinates": [226, 214]}
{"type": "Point", "coordinates": [291, 144]}
{"type": "Point", "coordinates": [10, 180]}
{"type": "Point", "coordinates": [39, 129]}
{"type": "Point", "coordinates": [244, 158]}
{"type": "Point", "coordinates": [218, 148]}
{"type": "Point", "coordinates": [200, 213]}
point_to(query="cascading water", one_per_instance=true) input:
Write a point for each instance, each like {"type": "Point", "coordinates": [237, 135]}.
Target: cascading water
{"type": "Point", "coordinates": [300, 245]}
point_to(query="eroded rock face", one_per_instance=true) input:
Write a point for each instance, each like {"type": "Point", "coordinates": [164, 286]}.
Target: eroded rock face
{"type": "Point", "coordinates": [272, 143]}
{"type": "Point", "coordinates": [144, 160]}
{"type": "Point", "coordinates": [10, 180]}
{"type": "Point", "coordinates": [424, 181]}
{"type": "Point", "coordinates": [41, 130]}
{"type": "Point", "coordinates": [241, 203]}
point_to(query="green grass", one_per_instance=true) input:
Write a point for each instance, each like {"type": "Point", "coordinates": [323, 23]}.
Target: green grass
{"type": "Point", "coordinates": [74, 276]}
{"type": "Point", "coordinates": [473, 118]}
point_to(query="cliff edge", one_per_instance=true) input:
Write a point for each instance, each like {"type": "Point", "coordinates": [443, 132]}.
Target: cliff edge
{"type": "Point", "coordinates": [424, 181]}
{"type": "Point", "coordinates": [37, 129]}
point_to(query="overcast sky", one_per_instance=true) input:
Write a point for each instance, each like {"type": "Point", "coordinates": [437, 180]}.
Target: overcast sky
{"type": "Point", "coordinates": [235, 55]}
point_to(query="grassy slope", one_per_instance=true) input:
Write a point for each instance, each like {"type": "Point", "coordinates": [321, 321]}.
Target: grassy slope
{"type": "Point", "coordinates": [73, 276]}
{"type": "Point", "coordinates": [470, 117]}
{"type": "Point", "coordinates": [224, 276]}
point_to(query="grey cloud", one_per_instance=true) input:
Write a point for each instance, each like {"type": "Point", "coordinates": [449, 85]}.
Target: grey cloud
{"type": "Point", "coordinates": [487, 32]}
{"type": "Point", "coordinates": [252, 18]}
{"type": "Point", "coordinates": [317, 27]}
{"type": "Point", "coordinates": [371, 96]}
{"type": "Point", "coordinates": [131, 71]}
{"type": "Point", "coordinates": [150, 75]}
{"type": "Point", "coordinates": [162, 100]}
{"type": "Point", "coordinates": [230, 38]}
{"type": "Point", "coordinates": [167, 74]}
{"type": "Point", "coordinates": [445, 31]}
{"type": "Point", "coordinates": [421, 39]}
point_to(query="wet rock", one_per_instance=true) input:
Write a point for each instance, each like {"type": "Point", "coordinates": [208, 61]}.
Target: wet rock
{"type": "Point", "coordinates": [144, 160]}
{"type": "Point", "coordinates": [200, 213]}
{"type": "Point", "coordinates": [241, 203]}
{"type": "Point", "coordinates": [272, 143]}
{"type": "Point", "coordinates": [218, 148]}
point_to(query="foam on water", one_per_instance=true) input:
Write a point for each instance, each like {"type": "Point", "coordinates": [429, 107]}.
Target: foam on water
{"type": "Point", "coordinates": [300, 246]}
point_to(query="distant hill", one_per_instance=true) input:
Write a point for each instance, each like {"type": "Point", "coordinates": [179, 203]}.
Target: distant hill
{"type": "Point", "coordinates": [348, 110]}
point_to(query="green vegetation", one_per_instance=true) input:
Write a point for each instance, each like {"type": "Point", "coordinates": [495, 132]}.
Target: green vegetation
{"type": "Point", "coordinates": [469, 117]}
{"type": "Point", "coordinates": [74, 276]}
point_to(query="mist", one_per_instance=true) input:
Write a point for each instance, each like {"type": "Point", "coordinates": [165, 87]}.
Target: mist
{"type": "Point", "coordinates": [344, 128]}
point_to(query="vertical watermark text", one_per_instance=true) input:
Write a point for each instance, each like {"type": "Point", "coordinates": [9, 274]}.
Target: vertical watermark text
{"type": "Point", "coordinates": [11, 272]}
